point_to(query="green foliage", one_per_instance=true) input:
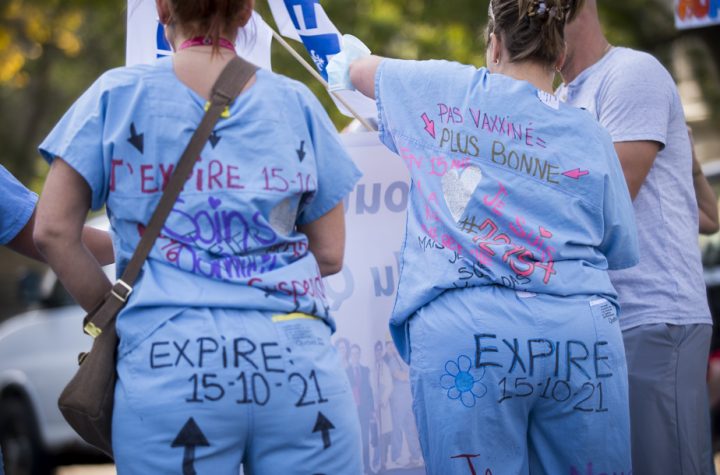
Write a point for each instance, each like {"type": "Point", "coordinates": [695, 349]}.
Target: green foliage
{"type": "Point", "coordinates": [56, 49]}
{"type": "Point", "coordinates": [51, 50]}
{"type": "Point", "coordinates": [432, 29]}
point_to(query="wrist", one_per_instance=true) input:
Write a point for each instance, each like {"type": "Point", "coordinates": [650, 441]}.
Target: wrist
{"type": "Point", "coordinates": [338, 69]}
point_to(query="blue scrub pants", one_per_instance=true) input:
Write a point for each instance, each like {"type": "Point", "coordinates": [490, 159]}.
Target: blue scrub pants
{"type": "Point", "coordinates": [508, 383]}
{"type": "Point", "coordinates": [212, 389]}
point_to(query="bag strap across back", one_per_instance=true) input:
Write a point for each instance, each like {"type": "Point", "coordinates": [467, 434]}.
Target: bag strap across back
{"type": "Point", "coordinates": [228, 86]}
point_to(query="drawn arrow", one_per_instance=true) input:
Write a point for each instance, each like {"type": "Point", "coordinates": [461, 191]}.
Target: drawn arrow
{"type": "Point", "coordinates": [576, 174]}
{"type": "Point", "coordinates": [136, 139]}
{"type": "Point", "coordinates": [190, 436]}
{"type": "Point", "coordinates": [429, 125]}
{"type": "Point", "coordinates": [323, 425]}
{"type": "Point", "coordinates": [214, 139]}
{"type": "Point", "coordinates": [301, 151]}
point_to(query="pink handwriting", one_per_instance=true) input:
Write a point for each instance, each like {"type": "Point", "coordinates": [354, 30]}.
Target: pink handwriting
{"type": "Point", "coordinates": [153, 178]}
{"type": "Point", "coordinates": [449, 114]}
{"type": "Point", "coordinates": [438, 166]}
{"type": "Point", "coordinates": [496, 204]}
{"type": "Point", "coordinates": [505, 127]}
{"type": "Point", "coordinates": [429, 125]}
{"type": "Point", "coordinates": [521, 260]}
{"type": "Point", "coordinates": [295, 289]}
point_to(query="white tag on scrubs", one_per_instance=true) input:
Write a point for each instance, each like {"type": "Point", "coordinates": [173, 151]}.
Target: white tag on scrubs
{"type": "Point", "coordinates": [549, 100]}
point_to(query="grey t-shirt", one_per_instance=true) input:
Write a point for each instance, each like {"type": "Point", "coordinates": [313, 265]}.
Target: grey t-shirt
{"type": "Point", "coordinates": [635, 98]}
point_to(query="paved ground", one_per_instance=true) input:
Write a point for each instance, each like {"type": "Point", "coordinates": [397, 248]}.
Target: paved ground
{"type": "Point", "coordinates": [110, 470]}
{"type": "Point", "coordinates": [87, 470]}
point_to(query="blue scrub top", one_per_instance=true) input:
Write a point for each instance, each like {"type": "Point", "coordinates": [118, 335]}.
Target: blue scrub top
{"type": "Point", "coordinates": [273, 162]}
{"type": "Point", "coordinates": [16, 206]}
{"type": "Point", "coordinates": [509, 187]}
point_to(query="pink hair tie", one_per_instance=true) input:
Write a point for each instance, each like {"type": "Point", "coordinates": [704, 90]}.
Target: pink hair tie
{"type": "Point", "coordinates": [205, 41]}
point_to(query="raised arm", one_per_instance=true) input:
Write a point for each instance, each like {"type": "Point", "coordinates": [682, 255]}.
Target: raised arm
{"type": "Point", "coordinates": [58, 235]}
{"type": "Point", "coordinates": [362, 74]}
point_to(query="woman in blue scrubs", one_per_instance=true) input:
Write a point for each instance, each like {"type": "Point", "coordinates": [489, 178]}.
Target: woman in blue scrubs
{"type": "Point", "coordinates": [518, 208]}
{"type": "Point", "coordinates": [225, 357]}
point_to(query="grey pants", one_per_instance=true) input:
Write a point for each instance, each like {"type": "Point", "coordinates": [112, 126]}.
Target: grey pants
{"type": "Point", "coordinates": [669, 413]}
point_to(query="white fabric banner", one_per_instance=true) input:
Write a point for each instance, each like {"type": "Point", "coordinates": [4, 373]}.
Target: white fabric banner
{"type": "Point", "coordinates": [696, 13]}
{"type": "Point", "coordinates": [146, 37]}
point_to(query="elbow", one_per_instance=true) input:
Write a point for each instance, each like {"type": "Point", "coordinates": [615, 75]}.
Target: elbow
{"type": "Point", "coordinates": [330, 264]}
{"type": "Point", "coordinates": [708, 220]}
{"type": "Point", "coordinates": [710, 227]}
{"type": "Point", "coordinates": [328, 268]}
{"type": "Point", "coordinates": [48, 236]}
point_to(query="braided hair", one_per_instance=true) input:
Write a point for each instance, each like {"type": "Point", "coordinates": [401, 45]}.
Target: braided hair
{"type": "Point", "coordinates": [532, 30]}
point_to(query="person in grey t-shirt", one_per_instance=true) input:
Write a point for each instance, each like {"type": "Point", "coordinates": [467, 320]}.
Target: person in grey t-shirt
{"type": "Point", "coordinates": [665, 318]}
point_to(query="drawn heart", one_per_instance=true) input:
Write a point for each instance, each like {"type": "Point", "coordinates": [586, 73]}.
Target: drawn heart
{"type": "Point", "coordinates": [458, 188]}
{"type": "Point", "coordinates": [214, 202]}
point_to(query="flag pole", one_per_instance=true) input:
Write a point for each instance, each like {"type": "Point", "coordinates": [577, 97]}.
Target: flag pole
{"type": "Point", "coordinates": [317, 76]}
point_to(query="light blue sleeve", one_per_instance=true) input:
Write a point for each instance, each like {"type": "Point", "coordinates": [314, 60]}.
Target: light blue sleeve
{"type": "Point", "coordinates": [386, 72]}
{"type": "Point", "coordinates": [636, 99]}
{"type": "Point", "coordinates": [404, 88]}
{"type": "Point", "coordinates": [620, 241]}
{"type": "Point", "coordinates": [78, 139]}
{"type": "Point", "coordinates": [16, 206]}
{"type": "Point", "coordinates": [336, 172]}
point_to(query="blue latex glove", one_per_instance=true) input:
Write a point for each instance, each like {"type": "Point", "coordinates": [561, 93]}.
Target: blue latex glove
{"type": "Point", "coordinates": [338, 69]}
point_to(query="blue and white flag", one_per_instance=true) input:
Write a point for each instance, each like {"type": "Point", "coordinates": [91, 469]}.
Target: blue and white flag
{"type": "Point", "coordinates": [306, 21]}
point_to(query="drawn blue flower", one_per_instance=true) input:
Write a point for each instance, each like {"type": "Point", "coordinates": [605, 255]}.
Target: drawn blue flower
{"type": "Point", "coordinates": [460, 382]}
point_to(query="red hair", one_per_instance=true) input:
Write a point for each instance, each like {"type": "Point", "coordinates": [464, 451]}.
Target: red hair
{"type": "Point", "coordinates": [211, 19]}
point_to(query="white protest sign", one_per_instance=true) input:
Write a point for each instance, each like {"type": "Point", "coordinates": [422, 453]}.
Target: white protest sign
{"type": "Point", "coordinates": [696, 13]}
{"type": "Point", "coordinates": [362, 297]}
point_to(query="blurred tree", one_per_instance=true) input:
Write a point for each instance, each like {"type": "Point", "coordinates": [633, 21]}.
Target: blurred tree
{"type": "Point", "coordinates": [397, 28]}
{"type": "Point", "coordinates": [51, 50]}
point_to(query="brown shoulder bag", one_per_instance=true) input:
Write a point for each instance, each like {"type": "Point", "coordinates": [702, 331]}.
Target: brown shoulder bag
{"type": "Point", "coordinates": [87, 400]}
